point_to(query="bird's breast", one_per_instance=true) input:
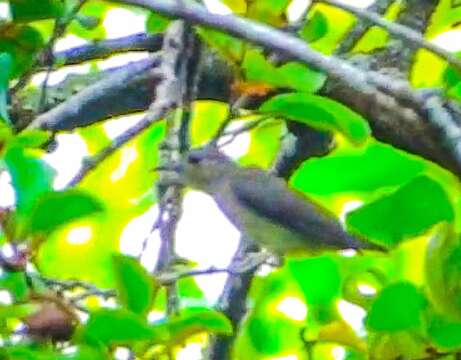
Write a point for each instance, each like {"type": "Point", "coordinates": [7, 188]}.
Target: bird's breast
{"type": "Point", "coordinates": [270, 235]}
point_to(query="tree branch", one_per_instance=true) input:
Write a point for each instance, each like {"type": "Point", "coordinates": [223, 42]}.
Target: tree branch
{"type": "Point", "coordinates": [297, 49]}
{"type": "Point", "coordinates": [99, 98]}
{"type": "Point", "coordinates": [105, 48]}
{"type": "Point", "coordinates": [399, 31]}
{"type": "Point", "coordinates": [367, 92]}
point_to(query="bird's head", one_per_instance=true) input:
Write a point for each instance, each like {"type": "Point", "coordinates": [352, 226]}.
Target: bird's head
{"type": "Point", "coordinates": [205, 168]}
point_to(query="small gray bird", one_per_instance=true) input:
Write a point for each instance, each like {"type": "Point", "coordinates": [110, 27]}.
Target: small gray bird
{"type": "Point", "coordinates": [264, 208]}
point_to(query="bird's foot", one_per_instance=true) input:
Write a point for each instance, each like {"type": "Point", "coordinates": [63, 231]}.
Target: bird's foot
{"type": "Point", "coordinates": [253, 260]}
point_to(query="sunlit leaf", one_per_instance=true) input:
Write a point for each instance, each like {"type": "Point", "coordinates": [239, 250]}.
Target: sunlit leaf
{"type": "Point", "coordinates": [377, 37]}
{"type": "Point", "coordinates": [264, 144]}
{"type": "Point", "coordinates": [135, 286]}
{"type": "Point", "coordinates": [408, 212]}
{"type": "Point", "coordinates": [369, 169]}
{"type": "Point", "coordinates": [31, 138]}
{"type": "Point", "coordinates": [206, 120]}
{"type": "Point", "coordinates": [31, 176]}
{"type": "Point", "coordinates": [237, 6]}
{"type": "Point", "coordinates": [319, 112]}
{"type": "Point", "coordinates": [268, 12]}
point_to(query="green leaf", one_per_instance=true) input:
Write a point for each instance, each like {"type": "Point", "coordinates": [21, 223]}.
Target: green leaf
{"type": "Point", "coordinates": [22, 42]}
{"type": "Point", "coordinates": [193, 322]}
{"type": "Point", "coordinates": [88, 22]}
{"type": "Point", "coordinates": [84, 352]}
{"type": "Point", "coordinates": [156, 23]}
{"type": "Point", "coordinates": [268, 12]}
{"type": "Point", "coordinates": [31, 176]}
{"type": "Point", "coordinates": [95, 10]}
{"type": "Point", "coordinates": [29, 352]}
{"type": "Point", "coordinates": [237, 6]}
{"type": "Point", "coordinates": [31, 138]}
{"type": "Point", "coordinates": [119, 326]}
{"type": "Point", "coordinates": [315, 28]}
{"type": "Point", "coordinates": [377, 166]}
{"type": "Point", "coordinates": [55, 209]}
{"type": "Point", "coordinates": [15, 283]}
{"type": "Point", "coordinates": [207, 117]}
{"type": "Point", "coordinates": [231, 48]}
{"type": "Point", "coordinates": [269, 334]}
{"type": "Point", "coordinates": [6, 63]}
{"type": "Point", "coordinates": [444, 332]}
{"type": "Point", "coordinates": [31, 10]}
{"type": "Point", "coordinates": [264, 144]}
{"type": "Point", "coordinates": [443, 271]}
{"type": "Point", "coordinates": [318, 278]}
{"type": "Point", "coordinates": [17, 311]}
{"type": "Point", "coordinates": [299, 77]}
{"type": "Point", "coordinates": [319, 112]}
{"type": "Point", "coordinates": [407, 212]}
{"type": "Point", "coordinates": [291, 75]}
{"type": "Point", "coordinates": [257, 68]}
{"type": "Point", "coordinates": [135, 286]}
{"type": "Point", "coordinates": [398, 307]}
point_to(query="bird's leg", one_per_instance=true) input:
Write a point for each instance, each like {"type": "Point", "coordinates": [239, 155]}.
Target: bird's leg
{"type": "Point", "coordinates": [253, 260]}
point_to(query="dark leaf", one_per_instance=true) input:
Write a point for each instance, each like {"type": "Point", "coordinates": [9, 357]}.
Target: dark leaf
{"type": "Point", "coordinates": [407, 212]}
{"type": "Point", "coordinates": [398, 307]}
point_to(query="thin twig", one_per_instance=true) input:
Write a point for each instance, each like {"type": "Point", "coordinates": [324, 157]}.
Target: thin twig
{"type": "Point", "coordinates": [180, 57]}
{"type": "Point", "coordinates": [361, 27]}
{"type": "Point", "coordinates": [242, 129]}
{"type": "Point", "coordinates": [91, 162]}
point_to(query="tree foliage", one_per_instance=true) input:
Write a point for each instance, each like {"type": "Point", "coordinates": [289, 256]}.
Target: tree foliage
{"type": "Point", "coordinates": [355, 108]}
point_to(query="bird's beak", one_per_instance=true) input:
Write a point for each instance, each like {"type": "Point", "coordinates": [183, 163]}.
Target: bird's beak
{"type": "Point", "coordinates": [176, 167]}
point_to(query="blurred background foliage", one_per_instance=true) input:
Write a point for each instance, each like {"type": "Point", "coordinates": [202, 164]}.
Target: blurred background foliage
{"type": "Point", "coordinates": [402, 305]}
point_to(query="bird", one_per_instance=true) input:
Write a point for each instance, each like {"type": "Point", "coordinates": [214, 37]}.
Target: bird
{"type": "Point", "coordinates": [264, 208]}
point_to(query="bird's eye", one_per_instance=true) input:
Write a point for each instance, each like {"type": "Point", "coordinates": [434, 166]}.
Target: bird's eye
{"type": "Point", "coordinates": [194, 158]}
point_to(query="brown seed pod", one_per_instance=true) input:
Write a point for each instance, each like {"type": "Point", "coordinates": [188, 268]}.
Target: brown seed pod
{"type": "Point", "coordinates": [55, 320]}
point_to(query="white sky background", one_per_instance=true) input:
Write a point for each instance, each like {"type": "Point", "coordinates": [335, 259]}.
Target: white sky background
{"type": "Point", "coordinates": [204, 234]}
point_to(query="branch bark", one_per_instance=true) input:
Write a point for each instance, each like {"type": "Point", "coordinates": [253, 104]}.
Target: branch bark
{"type": "Point", "coordinates": [368, 92]}
{"type": "Point", "coordinates": [103, 49]}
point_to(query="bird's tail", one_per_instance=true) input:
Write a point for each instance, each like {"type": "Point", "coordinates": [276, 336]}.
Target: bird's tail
{"type": "Point", "coordinates": [359, 243]}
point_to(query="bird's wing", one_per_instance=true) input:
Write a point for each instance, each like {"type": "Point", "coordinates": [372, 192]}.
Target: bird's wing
{"type": "Point", "coordinates": [270, 197]}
